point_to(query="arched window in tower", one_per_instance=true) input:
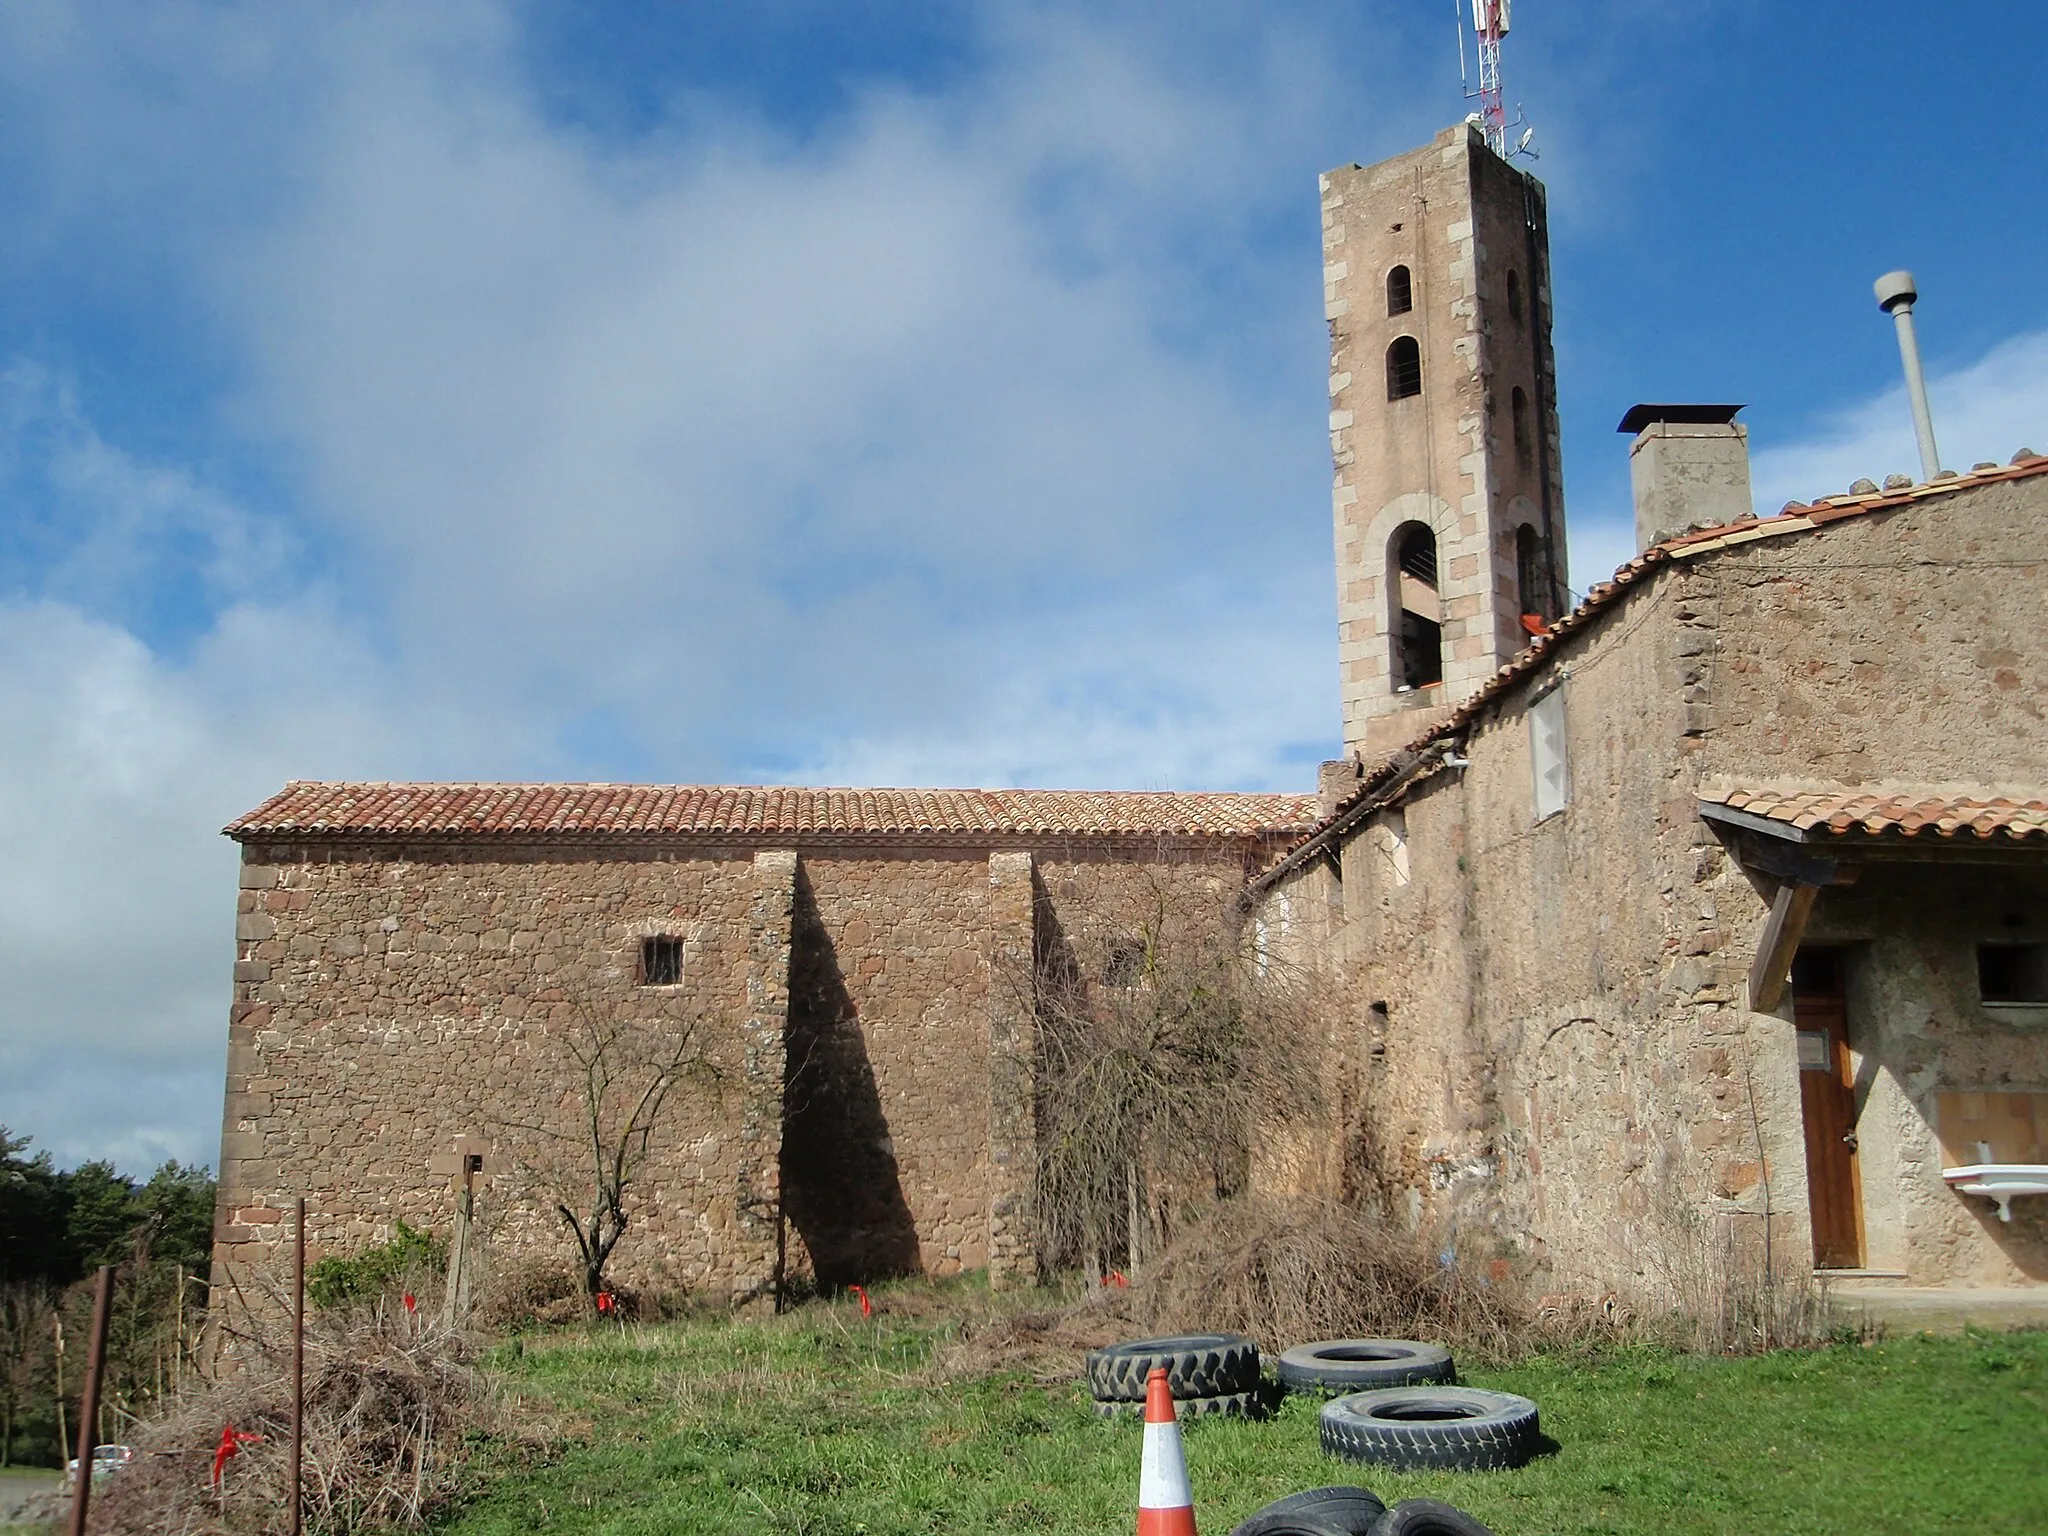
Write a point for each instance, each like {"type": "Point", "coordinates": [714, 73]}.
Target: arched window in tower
{"type": "Point", "coordinates": [1418, 649]}
{"type": "Point", "coordinates": [1514, 296]}
{"type": "Point", "coordinates": [1518, 408]}
{"type": "Point", "coordinates": [1404, 368]}
{"type": "Point", "coordinates": [1532, 575]}
{"type": "Point", "coordinates": [1400, 292]}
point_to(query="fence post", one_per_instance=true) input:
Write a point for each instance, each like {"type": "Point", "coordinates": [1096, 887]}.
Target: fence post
{"type": "Point", "coordinates": [298, 1366]}
{"type": "Point", "coordinates": [89, 1403]}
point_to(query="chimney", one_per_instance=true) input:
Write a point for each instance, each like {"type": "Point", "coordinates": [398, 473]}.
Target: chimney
{"type": "Point", "coordinates": [1689, 465]}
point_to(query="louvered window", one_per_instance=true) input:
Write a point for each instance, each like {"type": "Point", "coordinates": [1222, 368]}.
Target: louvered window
{"type": "Point", "coordinates": [1547, 754]}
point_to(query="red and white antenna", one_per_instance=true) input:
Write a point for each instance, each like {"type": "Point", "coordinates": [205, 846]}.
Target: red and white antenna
{"type": "Point", "coordinates": [1490, 25]}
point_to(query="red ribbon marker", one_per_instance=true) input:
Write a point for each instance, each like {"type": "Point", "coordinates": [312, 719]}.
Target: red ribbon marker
{"type": "Point", "coordinates": [1117, 1278]}
{"type": "Point", "coordinates": [411, 1302]}
{"type": "Point", "coordinates": [231, 1442]}
{"type": "Point", "coordinates": [604, 1301]}
{"type": "Point", "coordinates": [866, 1307]}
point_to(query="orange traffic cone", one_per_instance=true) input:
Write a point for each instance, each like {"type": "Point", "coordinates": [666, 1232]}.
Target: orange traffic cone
{"type": "Point", "coordinates": [1166, 1505]}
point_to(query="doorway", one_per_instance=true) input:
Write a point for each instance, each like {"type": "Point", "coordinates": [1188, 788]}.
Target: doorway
{"type": "Point", "coordinates": [1827, 1101]}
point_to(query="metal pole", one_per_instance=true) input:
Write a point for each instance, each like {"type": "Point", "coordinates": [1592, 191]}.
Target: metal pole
{"type": "Point", "coordinates": [298, 1366]}
{"type": "Point", "coordinates": [63, 1448]}
{"type": "Point", "coordinates": [89, 1403]}
{"type": "Point", "coordinates": [1896, 295]}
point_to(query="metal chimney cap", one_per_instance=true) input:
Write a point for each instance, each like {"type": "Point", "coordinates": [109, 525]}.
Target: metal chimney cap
{"type": "Point", "coordinates": [1641, 416]}
{"type": "Point", "coordinates": [1894, 289]}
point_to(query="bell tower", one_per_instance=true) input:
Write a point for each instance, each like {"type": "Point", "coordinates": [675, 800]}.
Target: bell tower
{"type": "Point", "coordinates": [1449, 495]}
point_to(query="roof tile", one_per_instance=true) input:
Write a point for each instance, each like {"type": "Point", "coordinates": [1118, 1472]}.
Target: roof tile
{"type": "Point", "coordinates": [1904, 811]}
{"type": "Point", "coordinates": [342, 810]}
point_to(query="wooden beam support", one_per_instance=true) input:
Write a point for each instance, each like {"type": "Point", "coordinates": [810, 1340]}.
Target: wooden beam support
{"type": "Point", "coordinates": [1790, 909]}
{"type": "Point", "coordinates": [1789, 862]}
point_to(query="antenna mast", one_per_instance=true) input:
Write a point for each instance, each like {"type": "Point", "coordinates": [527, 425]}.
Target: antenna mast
{"type": "Point", "coordinates": [1490, 21]}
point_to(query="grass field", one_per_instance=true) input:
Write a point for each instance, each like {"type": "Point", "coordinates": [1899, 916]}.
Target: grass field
{"type": "Point", "coordinates": [824, 1424]}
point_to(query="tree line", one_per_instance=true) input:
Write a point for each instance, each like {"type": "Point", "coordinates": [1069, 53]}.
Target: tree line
{"type": "Point", "coordinates": [57, 1227]}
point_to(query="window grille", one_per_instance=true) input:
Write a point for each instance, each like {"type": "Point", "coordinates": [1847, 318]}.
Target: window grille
{"type": "Point", "coordinates": [1404, 369]}
{"type": "Point", "coordinates": [1400, 292]}
{"type": "Point", "coordinates": [661, 962]}
{"type": "Point", "coordinates": [1416, 552]}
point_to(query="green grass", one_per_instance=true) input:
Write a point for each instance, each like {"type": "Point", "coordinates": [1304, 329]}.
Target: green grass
{"type": "Point", "coordinates": [822, 1424]}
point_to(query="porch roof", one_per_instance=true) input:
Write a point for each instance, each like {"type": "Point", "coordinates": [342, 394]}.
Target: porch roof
{"type": "Point", "coordinates": [1843, 816]}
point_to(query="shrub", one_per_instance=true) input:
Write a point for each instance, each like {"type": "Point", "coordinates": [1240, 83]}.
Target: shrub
{"type": "Point", "coordinates": [410, 1254]}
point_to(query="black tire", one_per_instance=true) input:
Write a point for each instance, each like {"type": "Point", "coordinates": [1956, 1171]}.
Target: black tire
{"type": "Point", "coordinates": [1196, 1365]}
{"type": "Point", "coordinates": [1453, 1428]}
{"type": "Point", "coordinates": [1426, 1517]}
{"type": "Point", "coordinates": [1364, 1365]}
{"type": "Point", "coordinates": [1229, 1405]}
{"type": "Point", "coordinates": [1348, 1511]}
{"type": "Point", "coordinates": [1291, 1525]}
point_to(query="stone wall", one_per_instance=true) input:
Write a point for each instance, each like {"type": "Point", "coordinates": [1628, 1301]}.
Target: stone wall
{"type": "Point", "coordinates": [863, 1014]}
{"type": "Point", "coordinates": [1549, 1039]}
{"type": "Point", "coordinates": [1906, 647]}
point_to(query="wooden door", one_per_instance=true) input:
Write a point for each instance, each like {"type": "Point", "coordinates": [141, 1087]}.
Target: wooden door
{"type": "Point", "coordinates": [1827, 1100]}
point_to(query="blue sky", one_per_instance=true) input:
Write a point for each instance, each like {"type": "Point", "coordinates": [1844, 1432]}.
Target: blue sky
{"type": "Point", "coordinates": [837, 393]}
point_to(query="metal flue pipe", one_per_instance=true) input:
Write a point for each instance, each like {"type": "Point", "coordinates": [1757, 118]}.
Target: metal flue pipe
{"type": "Point", "coordinates": [1896, 294]}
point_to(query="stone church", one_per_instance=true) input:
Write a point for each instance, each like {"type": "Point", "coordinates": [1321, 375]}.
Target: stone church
{"type": "Point", "coordinates": [1714, 904]}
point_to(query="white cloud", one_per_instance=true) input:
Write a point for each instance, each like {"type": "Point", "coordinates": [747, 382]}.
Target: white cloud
{"type": "Point", "coordinates": [1986, 411]}
{"type": "Point", "coordinates": [920, 451]}
{"type": "Point", "coordinates": [116, 911]}
{"type": "Point", "coordinates": [976, 439]}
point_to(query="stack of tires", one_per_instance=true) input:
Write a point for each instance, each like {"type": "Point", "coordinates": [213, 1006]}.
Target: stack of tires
{"type": "Point", "coordinates": [1392, 1403]}
{"type": "Point", "coordinates": [1208, 1373]}
{"type": "Point", "coordinates": [1357, 1512]}
{"type": "Point", "coordinates": [1398, 1408]}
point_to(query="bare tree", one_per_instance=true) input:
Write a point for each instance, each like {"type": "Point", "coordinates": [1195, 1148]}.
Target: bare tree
{"type": "Point", "coordinates": [622, 1073]}
{"type": "Point", "coordinates": [1169, 1044]}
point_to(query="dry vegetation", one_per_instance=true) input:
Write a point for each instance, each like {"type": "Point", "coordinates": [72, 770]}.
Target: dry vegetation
{"type": "Point", "coordinates": [1288, 1272]}
{"type": "Point", "coordinates": [1167, 1048]}
{"type": "Point", "coordinates": [389, 1400]}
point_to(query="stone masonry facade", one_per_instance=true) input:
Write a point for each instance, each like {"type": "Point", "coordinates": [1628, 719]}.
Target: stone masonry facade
{"type": "Point", "coordinates": [1552, 1043]}
{"type": "Point", "coordinates": [865, 1102]}
{"type": "Point", "coordinates": [1561, 898]}
{"type": "Point", "coordinates": [1474, 455]}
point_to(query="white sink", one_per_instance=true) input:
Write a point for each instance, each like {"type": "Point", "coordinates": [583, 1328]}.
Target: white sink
{"type": "Point", "coordinates": [2002, 1182]}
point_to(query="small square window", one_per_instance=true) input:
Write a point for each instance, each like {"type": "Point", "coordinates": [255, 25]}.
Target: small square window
{"type": "Point", "coordinates": [661, 962]}
{"type": "Point", "coordinates": [1125, 964]}
{"type": "Point", "coordinates": [2012, 973]}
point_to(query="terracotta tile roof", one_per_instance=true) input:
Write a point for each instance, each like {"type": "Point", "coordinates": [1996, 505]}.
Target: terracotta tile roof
{"type": "Point", "coordinates": [1893, 811]}
{"type": "Point", "coordinates": [1795, 518]}
{"type": "Point", "coordinates": [321, 810]}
